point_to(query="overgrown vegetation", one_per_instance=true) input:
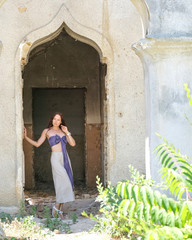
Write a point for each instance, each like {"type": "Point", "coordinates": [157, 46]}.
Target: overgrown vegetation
{"type": "Point", "coordinates": [25, 227]}
{"type": "Point", "coordinates": [55, 223]}
{"type": "Point", "coordinates": [135, 210]}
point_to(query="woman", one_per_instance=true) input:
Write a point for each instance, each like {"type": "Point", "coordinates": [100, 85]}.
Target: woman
{"type": "Point", "coordinates": [58, 136]}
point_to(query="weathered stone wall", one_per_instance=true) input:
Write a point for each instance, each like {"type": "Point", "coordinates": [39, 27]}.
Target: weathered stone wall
{"type": "Point", "coordinates": [166, 56]}
{"type": "Point", "coordinates": [109, 26]}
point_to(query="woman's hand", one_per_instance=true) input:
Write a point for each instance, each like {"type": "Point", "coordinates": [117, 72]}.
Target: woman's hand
{"type": "Point", "coordinates": [25, 132]}
{"type": "Point", "coordinates": [64, 129]}
{"type": "Point", "coordinates": [70, 139]}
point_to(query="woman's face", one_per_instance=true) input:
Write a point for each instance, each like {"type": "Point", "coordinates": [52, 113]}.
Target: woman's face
{"type": "Point", "coordinates": [56, 120]}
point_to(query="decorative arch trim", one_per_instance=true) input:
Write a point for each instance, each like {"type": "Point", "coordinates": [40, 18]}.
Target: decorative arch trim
{"type": "Point", "coordinates": [64, 18]}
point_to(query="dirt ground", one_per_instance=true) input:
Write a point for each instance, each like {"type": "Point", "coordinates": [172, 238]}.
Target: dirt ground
{"type": "Point", "coordinates": [84, 201]}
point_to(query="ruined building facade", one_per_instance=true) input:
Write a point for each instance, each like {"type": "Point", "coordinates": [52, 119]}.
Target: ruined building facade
{"type": "Point", "coordinates": [116, 70]}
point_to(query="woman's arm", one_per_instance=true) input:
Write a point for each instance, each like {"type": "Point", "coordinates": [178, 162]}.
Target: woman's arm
{"type": "Point", "coordinates": [70, 139]}
{"type": "Point", "coordinates": [39, 141]}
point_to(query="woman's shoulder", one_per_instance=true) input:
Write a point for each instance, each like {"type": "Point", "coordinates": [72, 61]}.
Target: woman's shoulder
{"type": "Point", "coordinates": [45, 131]}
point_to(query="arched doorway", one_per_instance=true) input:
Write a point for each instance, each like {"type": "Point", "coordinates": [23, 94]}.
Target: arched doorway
{"type": "Point", "coordinates": [65, 75]}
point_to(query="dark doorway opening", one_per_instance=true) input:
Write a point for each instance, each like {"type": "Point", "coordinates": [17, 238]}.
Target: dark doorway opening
{"type": "Point", "coordinates": [71, 102]}
{"type": "Point", "coordinates": [62, 67]}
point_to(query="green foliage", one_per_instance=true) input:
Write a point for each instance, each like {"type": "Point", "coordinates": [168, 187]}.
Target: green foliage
{"type": "Point", "coordinates": [130, 210]}
{"type": "Point", "coordinates": [5, 217]}
{"type": "Point", "coordinates": [139, 179]}
{"type": "Point", "coordinates": [13, 238]}
{"type": "Point", "coordinates": [26, 228]}
{"type": "Point", "coordinates": [34, 211]}
{"type": "Point", "coordinates": [55, 223]}
{"type": "Point", "coordinates": [176, 169]}
{"type": "Point", "coordinates": [22, 211]}
{"type": "Point", "coordinates": [188, 93]}
{"type": "Point", "coordinates": [133, 209]}
{"type": "Point", "coordinates": [74, 218]}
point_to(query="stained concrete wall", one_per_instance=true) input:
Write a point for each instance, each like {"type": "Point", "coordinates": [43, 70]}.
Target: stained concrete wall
{"type": "Point", "coordinates": [166, 56]}
{"type": "Point", "coordinates": [112, 29]}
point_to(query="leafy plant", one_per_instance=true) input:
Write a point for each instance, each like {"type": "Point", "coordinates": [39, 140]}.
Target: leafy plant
{"type": "Point", "coordinates": [188, 93]}
{"type": "Point", "coordinates": [74, 218]}
{"type": "Point", "coordinates": [26, 228]}
{"type": "Point", "coordinates": [139, 179]}
{"type": "Point", "coordinates": [176, 169]}
{"type": "Point", "coordinates": [5, 217]}
{"type": "Point", "coordinates": [133, 210]}
{"type": "Point", "coordinates": [34, 211]}
{"type": "Point", "coordinates": [55, 223]}
{"type": "Point", "coordinates": [22, 211]}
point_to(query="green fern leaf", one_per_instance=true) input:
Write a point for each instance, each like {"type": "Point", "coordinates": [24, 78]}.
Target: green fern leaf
{"type": "Point", "coordinates": [118, 188]}
{"type": "Point", "coordinates": [180, 193]}
{"type": "Point", "coordinates": [159, 148]}
{"type": "Point", "coordinates": [162, 160]}
{"type": "Point", "coordinates": [189, 206]}
{"type": "Point", "coordinates": [123, 187]}
{"type": "Point", "coordinates": [187, 170]}
{"type": "Point", "coordinates": [131, 208]}
{"type": "Point", "coordinates": [124, 207]}
{"type": "Point", "coordinates": [135, 193]}
{"type": "Point", "coordinates": [129, 191]}
{"type": "Point", "coordinates": [139, 210]}
{"type": "Point", "coordinates": [167, 161]}
{"type": "Point", "coordinates": [158, 199]}
{"type": "Point", "coordinates": [185, 214]}
{"type": "Point", "coordinates": [155, 214]}
{"type": "Point", "coordinates": [183, 161]}
{"type": "Point", "coordinates": [142, 193]}
{"type": "Point", "coordinates": [150, 196]}
{"type": "Point", "coordinates": [170, 165]}
{"type": "Point", "coordinates": [171, 219]}
{"type": "Point", "coordinates": [162, 217]}
{"type": "Point", "coordinates": [146, 212]}
{"type": "Point", "coordinates": [172, 205]}
{"type": "Point", "coordinates": [152, 235]}
{"type": "Point", "coordinates": [165, 202]}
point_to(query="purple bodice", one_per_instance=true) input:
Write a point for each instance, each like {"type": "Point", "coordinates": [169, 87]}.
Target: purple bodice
{"type": "Point", "coordinates": [53, 140]}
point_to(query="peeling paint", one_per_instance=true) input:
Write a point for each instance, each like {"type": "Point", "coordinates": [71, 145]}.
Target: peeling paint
{"type": "Point", "coordinates": [22, 9]}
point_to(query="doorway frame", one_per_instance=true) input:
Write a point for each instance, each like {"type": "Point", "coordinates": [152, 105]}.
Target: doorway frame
{"type": "Point", "coordinates": [84, 120]}
{"type": "Point", "coordinates": [65, 19]}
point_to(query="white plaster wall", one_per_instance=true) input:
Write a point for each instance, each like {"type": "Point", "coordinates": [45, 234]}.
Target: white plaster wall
{"type": "Point", "coordinates": [110, 23]}
{"type": "Point", "coordinates": [129, 104]}
{"type": "Point", "coordinates": [168, 65]}
{"type": "Point", "coordinates": [170, 18]}
{"type": "Point", "coordinates": [166, 56]}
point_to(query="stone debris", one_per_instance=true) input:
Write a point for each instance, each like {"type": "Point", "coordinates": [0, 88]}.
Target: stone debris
{"type": "Point", "coordinates": [84, 201]}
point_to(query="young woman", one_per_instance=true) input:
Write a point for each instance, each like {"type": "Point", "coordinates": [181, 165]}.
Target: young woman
{"type": "Point", "coordinates": [58, 136]}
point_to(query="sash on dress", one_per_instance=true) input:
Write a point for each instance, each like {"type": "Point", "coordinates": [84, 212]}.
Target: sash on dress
{"type": "Point", "coordinates": [53, 140]}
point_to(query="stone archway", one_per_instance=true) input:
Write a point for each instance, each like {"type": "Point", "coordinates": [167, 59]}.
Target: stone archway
{"type": "Point", "coordinates": [86, 35]}
{"type": "Point", "coordinates": [65, 75]}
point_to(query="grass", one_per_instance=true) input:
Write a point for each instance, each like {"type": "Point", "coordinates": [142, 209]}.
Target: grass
{"type": "Point", "coordinates": [23, 227]}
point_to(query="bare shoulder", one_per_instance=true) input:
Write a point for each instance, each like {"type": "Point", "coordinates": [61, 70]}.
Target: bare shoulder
{"type": "Point", "coordinates": [44, 132]}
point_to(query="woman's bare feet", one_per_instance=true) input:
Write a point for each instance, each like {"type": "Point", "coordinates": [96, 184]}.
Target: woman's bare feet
{"type": "Point", "coordinates": [61, 216]}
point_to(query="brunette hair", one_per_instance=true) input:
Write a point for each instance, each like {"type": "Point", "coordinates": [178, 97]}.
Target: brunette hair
{"type": "Point", "coordinates": [50, 124]}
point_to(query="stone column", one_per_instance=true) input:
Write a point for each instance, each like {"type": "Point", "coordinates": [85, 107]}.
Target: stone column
{"type": "Point", "coordinates": [166, 54]}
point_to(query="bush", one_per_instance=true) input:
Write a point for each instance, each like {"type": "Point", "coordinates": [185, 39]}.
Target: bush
{"type": "Point", "coordinates": [133, 209]}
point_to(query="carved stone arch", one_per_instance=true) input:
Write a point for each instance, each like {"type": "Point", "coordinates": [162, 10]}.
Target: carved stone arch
{"type": "Point", "coordinates": [64, 18]}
